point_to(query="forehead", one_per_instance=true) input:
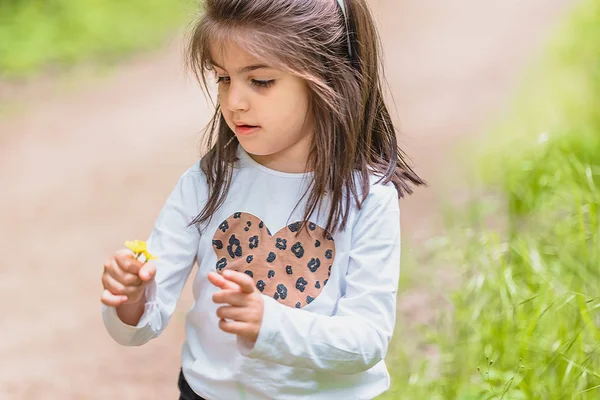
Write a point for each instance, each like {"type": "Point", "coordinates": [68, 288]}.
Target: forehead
{"type": "Point", "coordinates": [230, 55]}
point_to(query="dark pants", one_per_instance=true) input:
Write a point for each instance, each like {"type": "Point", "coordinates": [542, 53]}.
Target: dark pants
{"type": "Point", "coordinates": [186, 392]}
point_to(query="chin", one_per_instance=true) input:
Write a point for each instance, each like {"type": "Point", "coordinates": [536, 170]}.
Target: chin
{"type": "Point", "coordinates": [255, 149]}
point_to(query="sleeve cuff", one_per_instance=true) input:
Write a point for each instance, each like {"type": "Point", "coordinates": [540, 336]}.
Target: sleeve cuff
{"type": "Point", "coordinates": [269, 330]}
{"type": "Point", "coordinates": [123, 333]}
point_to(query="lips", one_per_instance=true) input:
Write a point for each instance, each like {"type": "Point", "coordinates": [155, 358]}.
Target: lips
{"type": "Point", "coordinates": [245, 129]}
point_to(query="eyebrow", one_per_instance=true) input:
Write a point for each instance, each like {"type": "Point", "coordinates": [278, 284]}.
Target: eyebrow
{"type": "Point", "coordinates": [248, 68]}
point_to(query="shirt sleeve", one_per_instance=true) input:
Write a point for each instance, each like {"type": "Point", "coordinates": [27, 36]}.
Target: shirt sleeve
{"type": "Point", "coordinates": [356, 337]}
{"type": "Point", "coordinates": [176, 245]}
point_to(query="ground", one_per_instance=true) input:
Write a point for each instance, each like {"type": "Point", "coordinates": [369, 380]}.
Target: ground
{"type": "Point", "coordinates": [85, 167]}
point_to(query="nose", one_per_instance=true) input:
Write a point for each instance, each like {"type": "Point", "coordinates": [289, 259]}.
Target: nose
{"type": "Point", "coordinates": [236, 99]}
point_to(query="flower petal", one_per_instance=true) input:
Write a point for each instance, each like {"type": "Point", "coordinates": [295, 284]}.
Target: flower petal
{"type": "Point", "coordinates": [149, 256]}
{"type": "Point", "coordinates": [137, 246]}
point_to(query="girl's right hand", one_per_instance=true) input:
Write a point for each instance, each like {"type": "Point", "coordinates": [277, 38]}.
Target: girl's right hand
{"type": "Point", "coordinates": [125, 279]}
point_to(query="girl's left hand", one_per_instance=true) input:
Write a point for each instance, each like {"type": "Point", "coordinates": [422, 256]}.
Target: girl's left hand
{"type": "Point", "coordinates": [243, 313]}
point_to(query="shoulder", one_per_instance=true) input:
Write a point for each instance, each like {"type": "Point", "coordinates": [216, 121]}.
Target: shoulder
{"type": "Point", "coordinates": [379, 191]}
{"type": "Point", "coordinates": [193, 176]}
{"type": "Point", "coordinates": [192, 186]}
{"type": "Point", "coordinates": [381, 203]}
{"type": "Point", "coordinates": [193, 171]}
{"type": "Point", "coordinates": [379, 213]}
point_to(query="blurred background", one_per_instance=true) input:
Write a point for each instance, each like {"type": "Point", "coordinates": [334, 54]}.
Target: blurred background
{"type": "Point", "coordinates": [498, 105]}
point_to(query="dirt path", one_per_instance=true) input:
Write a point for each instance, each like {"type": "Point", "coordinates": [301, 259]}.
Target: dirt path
{"type": "Point", "coordinates": [82, 173]}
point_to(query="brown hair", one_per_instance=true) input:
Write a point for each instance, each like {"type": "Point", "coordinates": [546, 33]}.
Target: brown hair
{"type": "Point", "coordinates": [354, 135]}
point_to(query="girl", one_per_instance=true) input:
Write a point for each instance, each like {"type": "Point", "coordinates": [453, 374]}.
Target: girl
{"type": "Point", "coordinates": [292, 213]}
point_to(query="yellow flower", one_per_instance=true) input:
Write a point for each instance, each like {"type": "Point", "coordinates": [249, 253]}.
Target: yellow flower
{"type": "Point", "coordinates": [149, 256]}
{"type": "Point", "coordinates": [139, 247]}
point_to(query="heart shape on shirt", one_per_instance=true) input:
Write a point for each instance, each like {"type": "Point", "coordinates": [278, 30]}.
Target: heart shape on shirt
{"type": "Point", "coordinates": [292, 269]}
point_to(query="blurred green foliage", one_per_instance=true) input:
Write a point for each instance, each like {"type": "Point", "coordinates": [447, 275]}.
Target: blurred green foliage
{"type": "Point", "coordinates": [527, 313]}
{"type": "Point", "coordinates": [39, 34]}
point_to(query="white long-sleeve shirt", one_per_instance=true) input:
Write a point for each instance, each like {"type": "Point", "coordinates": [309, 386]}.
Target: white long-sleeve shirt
{"type": "Point", "coordinates": [329, 303]}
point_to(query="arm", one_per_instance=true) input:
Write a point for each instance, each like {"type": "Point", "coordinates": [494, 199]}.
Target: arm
{"type": "Point", "coordinates": [357, 336]}
{"type": "Point", "coordinates": [131, 314]}
{"type": "Point", "coordinates": [176, 245]}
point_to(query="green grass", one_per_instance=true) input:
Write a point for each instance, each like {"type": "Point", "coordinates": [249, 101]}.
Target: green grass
{"type": "Point", "coordinates": [527, 313]}
{"type": "Point", "coordinates": [36, 35]}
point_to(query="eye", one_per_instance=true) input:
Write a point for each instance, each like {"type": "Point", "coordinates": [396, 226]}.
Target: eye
{"type": "Point", "coordinates": [262, 84]}
{"type": "Point", "coordinates": [223, 79]}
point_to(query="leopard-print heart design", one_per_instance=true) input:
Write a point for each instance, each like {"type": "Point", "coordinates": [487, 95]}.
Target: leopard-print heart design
{"type": "Point", "coordinates": [294, 270]}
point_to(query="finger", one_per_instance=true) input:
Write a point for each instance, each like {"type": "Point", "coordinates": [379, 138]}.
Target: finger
{"type": "Point", "coordinates": [112, 300]}
{"type": "Point", "coordinates": [235, 327]}
{"type": "Point", "coordinates": [245, 282]}
{"type": "Point", "coordinates": [116, 287]}
{"type": "Point", "coordinates": [124, 252]}
{"type": "Point", "coordinates": [127, 263]}
{"type": "Point", "coordinates": [131, 280]}
{"type": "Point", "coordinates": [233, 313]}
{"type": "Point", "coordinates": [147, 272]}
{"type": "Point", "coordinates": [221, 282]}
{"type": "Point", "coordinates": [232, 297]}
{"type": "Point", "coordinates": [125, 278]}
{"type": "Point", "coordinates": [121, 256]}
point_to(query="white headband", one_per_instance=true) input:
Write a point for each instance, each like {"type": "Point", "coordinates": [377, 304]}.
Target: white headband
{"type": "Point", "coordinates": [343, 7]}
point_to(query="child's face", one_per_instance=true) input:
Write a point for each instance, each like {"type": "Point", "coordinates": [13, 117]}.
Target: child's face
{"type": "Point", "coordinates": [266, 108]}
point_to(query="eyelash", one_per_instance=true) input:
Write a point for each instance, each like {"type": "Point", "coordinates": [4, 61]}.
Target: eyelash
{"type": "Point", "coordinates": [257, 83]}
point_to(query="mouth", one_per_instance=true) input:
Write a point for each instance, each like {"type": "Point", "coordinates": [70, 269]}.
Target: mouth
{"type": "Point", "coordinates": [244, 129]}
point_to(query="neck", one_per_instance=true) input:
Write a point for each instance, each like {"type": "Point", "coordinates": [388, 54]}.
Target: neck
{"type": "Point", "coordinates": [292, 159]}
{"type": "Point", "coordinates": [288, 163]}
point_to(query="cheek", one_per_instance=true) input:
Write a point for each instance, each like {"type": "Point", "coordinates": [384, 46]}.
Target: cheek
{"type": "Point", "coordinates": [291, 110]}
{"type": "Point", "coordinates": [223, 105]}
{"type": "Point", "coordinates": [222, 97]}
